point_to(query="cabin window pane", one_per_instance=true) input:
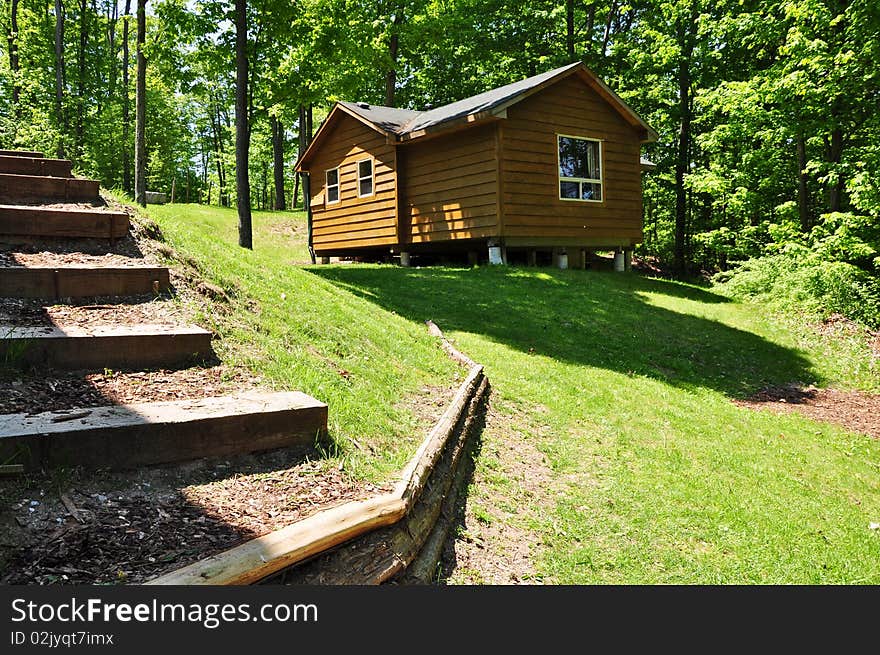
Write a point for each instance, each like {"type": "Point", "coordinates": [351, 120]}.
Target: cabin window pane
{"type": "Point", "coordinates": [591, 191]}
{"type": "Point", "coordinates": [580, 168]}
{"type": "Point", "coordinates": [332, 186]}
{"type": "Point", "coordinates": [365, 177]}
{"type": "Point", "coordinates": [569, 190]}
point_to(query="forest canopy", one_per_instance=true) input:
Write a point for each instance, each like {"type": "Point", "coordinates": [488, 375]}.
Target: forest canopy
{"type": "Point", "coordinates": [768, 161]}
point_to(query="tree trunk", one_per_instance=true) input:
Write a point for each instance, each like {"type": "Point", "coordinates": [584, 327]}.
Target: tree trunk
{"type": "Point", "coordinates": [126, 104]}
{"type": "Point", "coordinates": [112, 17]}
{"type": "Point", "coordinates": [242, 130]}
{"type": "Point", "coordinates": [12, 38]}
{"type": "Point", "coordinates": [606, 37]}
{"type": "Point", "coordinates": [803, 192]}
{"type": "Point", "coordinates": [140, 140]}
{"type": "Point", "coordinates": [835, 192]}
{"type": "Point", "coordinates": [682, 158]}
{"type": "Point", "coordinates": [278, 162]}
{"type": "Point", "coordinates": [219, 156]}
{"type": "Point", "coordinates": [569, 29]}
{"type": "Point", "coordinates": [60, 113]}
{"type": "Point", "coordinates": [81, 76]}
{"type": "Point", "coordinates": [591, 24]}
{"type": "Point", "coordinates": [391, 74]}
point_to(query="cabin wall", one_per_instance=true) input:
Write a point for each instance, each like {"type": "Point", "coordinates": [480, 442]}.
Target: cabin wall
{"type": "Point", "coordinates": [450, 187]}
{"type": "Point", "coordinates": [531, 207]}
{"type": "Point", "coordinates": [353, 222]}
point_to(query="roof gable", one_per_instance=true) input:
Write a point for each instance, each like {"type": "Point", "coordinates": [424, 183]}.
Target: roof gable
{"type": "Point", "coordinates": [407, 125]}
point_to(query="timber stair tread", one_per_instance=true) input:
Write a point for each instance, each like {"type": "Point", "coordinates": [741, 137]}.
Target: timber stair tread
{"type": "Point", "coordinates": [36, 221]}
{"type": "Point", "coordinates": [21, 153]}
{"type": "Point", "coordinates": [96, 347]}
{"type": "Point", "coordinates": [83, 280]}
{"type": "Point", "coordinates": [20, 165]}
{"type": "Point", "coordinates": [125, 436]}
{"type": "Point", "coordinates": [23, 188]}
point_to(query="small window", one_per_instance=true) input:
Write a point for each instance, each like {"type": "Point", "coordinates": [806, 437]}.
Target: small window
{"type": "Point", "coordinates": [365, 178]}
{"type": "Point", "coordinates": [332, 186]}
{"type": "Point", "coordinates": [580, 169]}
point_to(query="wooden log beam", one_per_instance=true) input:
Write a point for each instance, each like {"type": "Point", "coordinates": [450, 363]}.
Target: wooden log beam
{"type": "Point", "coordinates": [20, 153]}
{"type": "Point", "coordinates": [34, 188]}
{"type": "Point", "coordinates": [81, 281]}
{"type": "Point", "coordinates": [44, 222]}
{"type": "Point", "coordinates": [105, 346]}
{"type": "Point", "coordinates": [35, 166]}
{"type": "Point", "coordinates": [411, 509]}
{"type": "Point", "coordinates": [125, 436]}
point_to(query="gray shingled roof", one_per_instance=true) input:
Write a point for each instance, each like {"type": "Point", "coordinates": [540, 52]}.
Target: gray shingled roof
{"type": "Point", "coordinates": [387, 118]}
{"type": "Point", "coordinates": [404, 121]}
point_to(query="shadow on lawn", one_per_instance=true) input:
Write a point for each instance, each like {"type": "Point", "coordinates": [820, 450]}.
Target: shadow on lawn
{"type": "Point", "coordinates": [585, 318]}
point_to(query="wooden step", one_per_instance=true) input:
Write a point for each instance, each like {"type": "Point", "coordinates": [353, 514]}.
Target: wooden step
{"type": "Point", "coordinates": [81, 281]}
{"type": "Point", "coordinates": [35, 166]}
{"type": "Point", "coordinates": [34, 188]}
{"type": "Point", "coordinates": [126, 436]}
{"type": "Point", "coordinates": [21, 153]}
{"type": "Point", "coordinates": [104, 346]}
{"type": "Point", "coordinates": [44, 222]}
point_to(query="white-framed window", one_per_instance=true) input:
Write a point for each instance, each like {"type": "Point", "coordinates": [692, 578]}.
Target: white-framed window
{"type": "Point", "coordinates": [580, 168]}
{"type": "Point", "coordinates": [332, 186]}
{"type": "Point", "coordinates": [366, 183]}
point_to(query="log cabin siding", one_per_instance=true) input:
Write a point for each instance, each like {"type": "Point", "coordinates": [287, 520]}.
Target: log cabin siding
{"type": "Point", "coordinates": [450, 187]}
{"type": "Point", "coordinates": [529, 165]}
{"type": "Point", "coordinates": [354, 222]}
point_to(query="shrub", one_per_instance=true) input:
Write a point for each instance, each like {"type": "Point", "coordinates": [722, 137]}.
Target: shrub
{"type": "Point", "coordinates": [799, 279]}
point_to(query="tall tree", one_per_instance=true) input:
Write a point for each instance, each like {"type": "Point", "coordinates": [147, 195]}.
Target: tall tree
{"type": "Point", "coordinates": [12, 39]}
{"type": "Point", "coordinates": [278, 161]}
{"type": "Point", "coordinates": [140, 139]}
{"type": "Point", "coordinates": [60, 112]}
{"type": "Point", "coordinates": [242, 128]}
{"type": "Point", "coordinates": [126, 101]}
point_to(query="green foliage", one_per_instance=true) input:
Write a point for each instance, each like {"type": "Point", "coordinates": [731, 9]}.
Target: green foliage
{"type": "Point", "coordinates": [800, 280]}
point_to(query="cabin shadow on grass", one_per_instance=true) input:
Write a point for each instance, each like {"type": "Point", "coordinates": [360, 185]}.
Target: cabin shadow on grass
{"type": "Point", "coordinates": [601, 320]}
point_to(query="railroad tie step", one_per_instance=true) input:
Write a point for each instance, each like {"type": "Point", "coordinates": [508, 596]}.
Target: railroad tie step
{"type": "Point", "coordinates": [104, 346]}
{"type": "Point", "coordinates": [35, 166]}
{"type": "Point", "coordinates": [19, 221]}
{"type": "Point", "coordinates": [125, 436]}
{"type": "Point", "coordinates": [37, 188]}
{"type": "Point", "coordinates": [81, 281]}
{"type": "Point", "coordinates": [21, 153]}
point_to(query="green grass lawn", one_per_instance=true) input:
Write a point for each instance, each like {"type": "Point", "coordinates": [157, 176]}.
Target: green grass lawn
{"type": "Point", "coordinates": [623, 382]}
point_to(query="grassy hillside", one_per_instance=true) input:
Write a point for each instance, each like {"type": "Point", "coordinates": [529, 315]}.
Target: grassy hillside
{"type": "Point", "coordinates": [302, 332]}
{"type": "Point", "coordinates": [623, 383]}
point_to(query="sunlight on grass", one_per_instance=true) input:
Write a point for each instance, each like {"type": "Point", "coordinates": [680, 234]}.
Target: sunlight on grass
{"type": "Point", "coordinates": [624, 383]}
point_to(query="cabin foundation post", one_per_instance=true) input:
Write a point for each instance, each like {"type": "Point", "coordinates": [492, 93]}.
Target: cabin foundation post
{"type": "Point", "coordinates": [497, 256]}
{"type": "Point", "coordinates": [618, 261]}
{"type": "Point", "coordinates": [473, 258]}
{"type": "Point", "coordinates": [582, 259]}
{"type": "Point", "coordinates": [533, 258]}
{"type": "Point", "coordinates": [561, 258]}
{"type": "Point", "coordinates": [325, 260]}
{"type": "Point", "coordinates": [628, 259]}
{"type": "Point", "coordinates": [404, 259]}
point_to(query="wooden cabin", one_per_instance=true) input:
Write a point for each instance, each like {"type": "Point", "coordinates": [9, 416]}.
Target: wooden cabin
{"type": "Point", "coordinates": [551, 163]}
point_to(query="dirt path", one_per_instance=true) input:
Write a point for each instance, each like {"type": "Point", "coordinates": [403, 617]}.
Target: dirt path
{"type": "Point", "coordinates": [510, 487]}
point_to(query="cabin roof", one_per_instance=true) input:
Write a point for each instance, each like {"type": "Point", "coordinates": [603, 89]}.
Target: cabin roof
{"type": "Point", "coordinates": [407, 124]}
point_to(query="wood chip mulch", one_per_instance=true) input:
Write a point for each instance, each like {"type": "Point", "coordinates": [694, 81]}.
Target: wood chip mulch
{"type": "Point", "coordinates": [39, 391]}
{"type": "Point", "coordinates": [126, 528]}
{"type": "Point", "coordinates": [85, 312]}
{"type": "Point", "coordinates": [853, 410]}
{"type": "Point", "coordinates": [31, 257]}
